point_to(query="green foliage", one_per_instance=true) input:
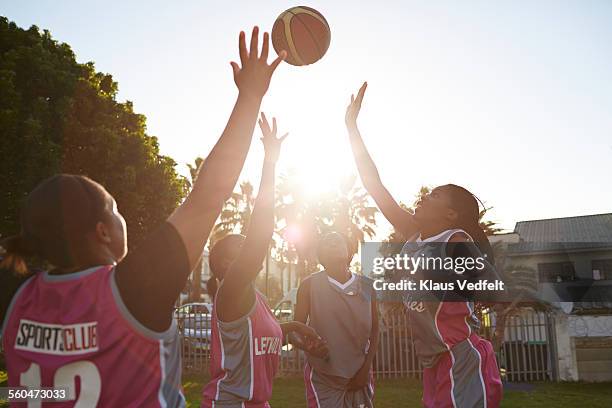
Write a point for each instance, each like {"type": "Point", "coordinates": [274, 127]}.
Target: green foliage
{"type": "Point", "coordinates": [57, 115]}
{"type": "Point", "coordinates": [302, 220]}
{"type": "Point", "coordinates": [236, 214]}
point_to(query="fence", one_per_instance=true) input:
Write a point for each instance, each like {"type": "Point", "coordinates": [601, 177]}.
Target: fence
{"type": "Point", "coordinates": [528, 352]}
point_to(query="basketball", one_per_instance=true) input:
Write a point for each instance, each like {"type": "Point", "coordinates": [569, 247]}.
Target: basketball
{"type": "Point", "coordinates": [304, 33]}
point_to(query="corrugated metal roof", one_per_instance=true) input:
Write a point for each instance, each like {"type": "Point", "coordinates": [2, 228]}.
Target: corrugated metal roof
{"type": "Point", "coordinates": [587, 228]}
{"type": "Point", "coordinates": [563, 235]}
{"type": "Point", "coordinates": [586, 306]}
{"type": "Point", "coordinates": [522, 248]}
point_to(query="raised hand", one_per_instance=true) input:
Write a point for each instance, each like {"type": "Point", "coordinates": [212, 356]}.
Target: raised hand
{"type": "Point", "coordinates": [271, 143]}
{"type": "Point", "coordinates": [254, 74]}
{"type": "Point", "coordinates": [352, 111]}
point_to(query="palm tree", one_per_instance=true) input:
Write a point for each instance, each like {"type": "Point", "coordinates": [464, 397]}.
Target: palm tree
{"type": "Point", "coordinates": [236, 214]}
{"type": "Point", "coordinates": [301, 220]}
{"type": "Point", "coordinates": [234, 218]}
{"type": "Point", "coordinates": [520, 282]}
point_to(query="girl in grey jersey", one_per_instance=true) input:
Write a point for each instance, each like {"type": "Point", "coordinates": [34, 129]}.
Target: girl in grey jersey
{"type": "Point", "coordinates": [460, 367]}
{"type": "Point", "coordinates": [341, 307]}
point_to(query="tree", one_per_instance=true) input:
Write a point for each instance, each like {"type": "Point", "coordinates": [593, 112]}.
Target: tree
{"type": "Point", "coordinates": [522, 286]}
{"type": "Point", "coordinates": [296, 226]}
{"type": "Point", "coordinates": [236, 214]}
{"type": "Point", "coordinates": [301, 220]}
{"type": "Point", "coordinates": [57, 115]}
{"type": "Point", "coordinates": [235, 218]}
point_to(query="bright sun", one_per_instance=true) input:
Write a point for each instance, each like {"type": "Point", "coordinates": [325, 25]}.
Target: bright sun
{"type": "Point", "coordinates": [317, 170]}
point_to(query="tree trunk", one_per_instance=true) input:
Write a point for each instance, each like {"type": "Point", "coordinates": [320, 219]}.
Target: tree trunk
{"type": "Point", "coordinates": [501, 312]}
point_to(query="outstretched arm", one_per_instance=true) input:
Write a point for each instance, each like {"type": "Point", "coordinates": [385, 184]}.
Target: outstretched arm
{"type": "Point", "coordinates": [159, 267]}
{"type": "Point", "coordinates": [219, 172]}
{"type": "Point", "coordinates": [236, 288]}
{"type": "Point", "coordinates": [393, 212]}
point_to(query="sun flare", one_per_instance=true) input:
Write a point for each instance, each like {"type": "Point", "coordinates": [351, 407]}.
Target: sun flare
{"type": "Point", "coordinates": [314, 170]}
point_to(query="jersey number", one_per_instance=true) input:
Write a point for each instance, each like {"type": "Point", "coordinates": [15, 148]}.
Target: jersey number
{"type": "Point", "coordinates": [65, 377]}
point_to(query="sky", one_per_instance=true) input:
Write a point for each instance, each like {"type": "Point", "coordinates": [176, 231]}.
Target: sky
{"type": "Point", "coordinates": [512, 100]}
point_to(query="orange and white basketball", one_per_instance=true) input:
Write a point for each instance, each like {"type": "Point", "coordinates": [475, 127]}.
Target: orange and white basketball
{"type": "Point", "coordinates": [304, 33]}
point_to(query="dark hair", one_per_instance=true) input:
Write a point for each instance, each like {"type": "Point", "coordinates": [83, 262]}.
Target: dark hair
{"type": "Point", "coordinates": [349, 246]}
{"type": "Point", "coordinates": [54, 219]}
{"type": "Point", "coordinates": [14, 257]}
{"type": "Point", "coordinates": [466, 205]}
{"type": "Point", "coordinates": [216, 257]}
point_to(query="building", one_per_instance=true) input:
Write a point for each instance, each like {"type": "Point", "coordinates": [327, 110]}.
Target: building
{"type": "Point", "coordinates": [571, 260]}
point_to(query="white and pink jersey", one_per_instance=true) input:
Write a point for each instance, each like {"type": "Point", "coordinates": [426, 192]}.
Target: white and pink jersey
{"type": "Point", "coordinates": [245, 357]}
{"type": "Point", "coordinates": [74, 331]}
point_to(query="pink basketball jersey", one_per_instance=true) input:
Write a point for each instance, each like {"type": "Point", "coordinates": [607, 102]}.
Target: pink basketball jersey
{"type": "Point", "coordinates": [245, 355]}
{"type": "Point", "coordinates": [74, 331]}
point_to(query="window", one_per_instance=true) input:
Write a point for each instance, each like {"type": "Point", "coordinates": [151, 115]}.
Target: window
{"type": "Point", "coordinates": [556, 272]}
{"type": "Point", "coordinates": [604, 268]}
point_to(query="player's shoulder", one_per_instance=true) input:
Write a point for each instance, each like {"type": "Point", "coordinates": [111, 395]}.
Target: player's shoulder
{"type": "Point", "coordinates": [364, 278]}
{"type": "Point", "coordinates": [316, 276]}
{"type": "Point", "coordinates": [459, 235]}
{"type": "Point", "coordinates": [305, 284]}
{"type": "Point", "coordinates": [365, 282]}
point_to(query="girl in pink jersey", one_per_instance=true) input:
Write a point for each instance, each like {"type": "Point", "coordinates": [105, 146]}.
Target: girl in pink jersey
{"type": "Point", "coordinates": [99, 323]}
{"type": "Point", "coordinates": [246, 338]}
{"type": "Point", "coordinates": [460, 367]}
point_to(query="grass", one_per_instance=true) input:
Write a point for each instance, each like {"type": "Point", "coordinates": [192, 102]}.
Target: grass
{"type": "Point", "coordinates": [289, 393]}
{"type": "Point", "coordinates": [395, 393]}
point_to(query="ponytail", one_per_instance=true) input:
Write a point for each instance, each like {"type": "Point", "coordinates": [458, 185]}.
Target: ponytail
{"type": "Point", "coordinates": [475, 231]}
{"type": "Point", "coordinates": [466, 205]}
{"type": "Point", "coordinates": [16, 251]}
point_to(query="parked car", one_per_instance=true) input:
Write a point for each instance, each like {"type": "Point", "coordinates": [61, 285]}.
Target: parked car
{"type": "Point", "coordinates": [286, 307]}
{"type": "Point", "coordinates": [283, 312]}
{"type": "Point", "coordinates": [194, 324]}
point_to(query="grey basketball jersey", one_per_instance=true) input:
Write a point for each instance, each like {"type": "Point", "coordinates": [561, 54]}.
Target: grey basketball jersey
{"type": "Point", "coordinates": [437, 325]}
{"type": "Point", "coordinates": [245, 355]}
{"type": "Point", "coordinates": [342, 315]}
